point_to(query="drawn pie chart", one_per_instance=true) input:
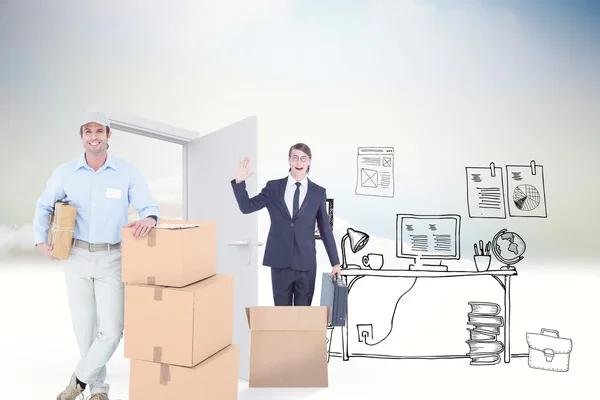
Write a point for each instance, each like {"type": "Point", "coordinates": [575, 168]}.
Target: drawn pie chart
{"type": "Point", "coordinates": [526, 197]}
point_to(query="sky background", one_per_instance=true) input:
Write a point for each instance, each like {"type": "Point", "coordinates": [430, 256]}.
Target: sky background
{"type": "Point", "coordinates": [448, 84]}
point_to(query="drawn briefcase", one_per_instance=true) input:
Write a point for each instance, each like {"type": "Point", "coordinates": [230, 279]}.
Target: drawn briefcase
{"type": "Point", "coordinates": [334, 294]}
{"type": "Point", "coordinates": [548, 351]}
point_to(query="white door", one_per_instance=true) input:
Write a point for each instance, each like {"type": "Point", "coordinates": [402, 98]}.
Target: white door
{"type": "Point", "coordinates": [212, 160]}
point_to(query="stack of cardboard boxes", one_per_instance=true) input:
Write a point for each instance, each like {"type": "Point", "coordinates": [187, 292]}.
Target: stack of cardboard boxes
{"type": "Point", "coordinates": [178, 314]}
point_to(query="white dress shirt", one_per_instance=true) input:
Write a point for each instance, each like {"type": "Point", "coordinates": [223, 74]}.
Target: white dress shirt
{"type": "Point", "coordinates": [290, 189]}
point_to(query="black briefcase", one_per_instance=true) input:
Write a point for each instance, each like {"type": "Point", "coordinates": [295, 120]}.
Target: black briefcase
{"type": "Point", "coordinates": [334, 294]}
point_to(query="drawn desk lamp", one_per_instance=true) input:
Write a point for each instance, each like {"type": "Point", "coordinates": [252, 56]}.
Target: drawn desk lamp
{"type": "Point", "coordinates": [358, 240]}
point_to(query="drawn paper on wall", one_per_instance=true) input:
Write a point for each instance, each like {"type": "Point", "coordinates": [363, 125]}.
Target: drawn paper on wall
{"type": "Point", "coordinates": [485, 192]}
{"type": "Point", "coordinates": [375, 171]}
{"type": "Point", "coordinates": [330, 214]}
{"type": "Point", "coordinates": [526, 190]}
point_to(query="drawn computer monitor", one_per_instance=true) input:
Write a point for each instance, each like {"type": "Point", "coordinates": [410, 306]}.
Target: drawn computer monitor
{"type": "Point", "coordinates": [428, 237]}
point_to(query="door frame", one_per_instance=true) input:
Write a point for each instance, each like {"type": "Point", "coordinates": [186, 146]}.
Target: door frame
{"type": "Point", "coordinates": [156, 130]}
{"type": "Point", "coordinates": [137, 125]}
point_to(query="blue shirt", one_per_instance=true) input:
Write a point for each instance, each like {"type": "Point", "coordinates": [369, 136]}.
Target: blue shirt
{"type": "Point", "coordinates": [102, 199]}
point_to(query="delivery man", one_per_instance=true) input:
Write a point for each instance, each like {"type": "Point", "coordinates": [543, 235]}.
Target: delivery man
{"type": "Point", "coordinates": [102, 188]}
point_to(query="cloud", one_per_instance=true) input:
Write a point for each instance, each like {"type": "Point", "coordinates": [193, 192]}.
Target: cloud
{"type": "Point", "coordinates": [426, 44]}
{"type": "Point", "coordinates": [16, 240]}
{"type": "Point", "coordinates": [185, 25]}
{"type": "Point", "coordinates": [202, 20]}
{"type": "Point", "coordinates": [147, 29]}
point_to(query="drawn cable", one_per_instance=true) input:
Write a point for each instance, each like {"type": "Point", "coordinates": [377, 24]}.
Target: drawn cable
{"type": "Point", "coordinates": [364, 335]}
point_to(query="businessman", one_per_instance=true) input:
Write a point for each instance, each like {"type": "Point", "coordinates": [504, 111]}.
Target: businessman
{"type": "Point", "coordinates": [294, 204]}
{"type": "Point", "coordinates": [102, 188]}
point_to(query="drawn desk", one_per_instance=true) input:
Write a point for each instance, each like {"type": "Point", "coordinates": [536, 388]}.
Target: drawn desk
{"type": "Point", "coordinates": [351, 275]}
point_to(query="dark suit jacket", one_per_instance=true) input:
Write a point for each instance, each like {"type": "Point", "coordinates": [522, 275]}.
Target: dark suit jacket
{"type": "Point", "coordinates": [291, 241]}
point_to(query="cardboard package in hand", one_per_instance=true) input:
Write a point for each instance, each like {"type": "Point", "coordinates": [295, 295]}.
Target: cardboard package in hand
{"type": "Point", "coordinates": [62, 226]}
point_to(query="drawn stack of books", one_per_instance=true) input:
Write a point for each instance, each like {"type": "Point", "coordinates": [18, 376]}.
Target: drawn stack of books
{"type": "Point", "coordinates": [178, 314]}
{"type": "Point", "coordinates": [485, 321]}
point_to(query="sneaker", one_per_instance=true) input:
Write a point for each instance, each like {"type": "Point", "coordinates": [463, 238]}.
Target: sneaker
{"type": "Point", "coordinates": [72, 392]}
{"type": "Point", "coordinates": [98, 396]}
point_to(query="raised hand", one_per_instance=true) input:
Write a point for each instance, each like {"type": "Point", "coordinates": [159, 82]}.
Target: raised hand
{"type": "Point", "coordinates": [241, 174]}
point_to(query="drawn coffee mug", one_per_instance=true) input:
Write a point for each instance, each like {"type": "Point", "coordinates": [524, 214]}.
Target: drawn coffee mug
{"type": "Point", "coordinates": [373, 261]}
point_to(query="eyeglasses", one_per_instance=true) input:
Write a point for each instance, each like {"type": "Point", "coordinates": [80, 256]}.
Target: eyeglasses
{"type": "Point", "coordinates": [303, 158]}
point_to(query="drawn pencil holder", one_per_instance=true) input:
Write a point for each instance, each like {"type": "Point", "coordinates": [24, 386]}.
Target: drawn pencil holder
{"type": "Point", "coordinates": [482, 263]}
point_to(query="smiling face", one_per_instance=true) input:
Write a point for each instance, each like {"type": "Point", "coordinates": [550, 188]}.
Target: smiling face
{"type": "Point", "coordinates": [95, 138]}
{"type": "Point", "coordinates": [299, 163]}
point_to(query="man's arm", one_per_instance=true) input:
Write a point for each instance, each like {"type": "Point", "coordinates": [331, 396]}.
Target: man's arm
{"type": "Point", "coordinates": [141, 198]}
{"type": "Point", "coordinates": [326, 232]}
{"type": "Point", "coordinates": [249, 205]}
{"type": "Point", "coordinates": [44, 206]}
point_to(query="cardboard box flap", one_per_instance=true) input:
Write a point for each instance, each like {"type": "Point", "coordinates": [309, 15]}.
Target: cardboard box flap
{"type": "Point", "coordinates": [171, 226]}
{"type": "Point", "coordinates": [182, 222]}
{"type": "Point", "coordinates": [279, 318]}
{"type": "Point", "coordinates": [176, 226]}
{"type": "Point", "coordinates": [198, 286]}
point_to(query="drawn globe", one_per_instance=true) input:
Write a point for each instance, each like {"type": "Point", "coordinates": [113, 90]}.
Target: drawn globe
{"type": "Point", "coordinates": [508, 247]}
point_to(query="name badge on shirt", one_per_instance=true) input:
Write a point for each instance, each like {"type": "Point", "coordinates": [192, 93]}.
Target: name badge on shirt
{"type": "Point", "coordinates": [113, 193]}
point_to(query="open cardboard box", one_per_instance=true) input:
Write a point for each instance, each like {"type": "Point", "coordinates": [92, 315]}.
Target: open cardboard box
{"type": "Point", "coordinates": [288, 346]}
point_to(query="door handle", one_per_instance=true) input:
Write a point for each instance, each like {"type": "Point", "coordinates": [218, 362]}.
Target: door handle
{"type": "Point", "coordinates": [240, 243]}
{"type": "Point", "coordinates": [244, 243]}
